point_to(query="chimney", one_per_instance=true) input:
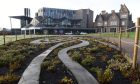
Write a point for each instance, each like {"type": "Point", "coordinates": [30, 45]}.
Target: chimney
{"type": "Point", "coordinates": [36, 14]}
{"type": "Point", "coordinates": [112, 11]}
{"type": "Point", "coordinates": [103, 12]}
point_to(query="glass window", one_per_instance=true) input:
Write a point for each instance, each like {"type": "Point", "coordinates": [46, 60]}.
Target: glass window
{"type": "Point", "coordinates": [123, 22]}
{"type": "Point", "coordinates": [114, 23]}
{"type": "Point", "coordinates": [99, 24]}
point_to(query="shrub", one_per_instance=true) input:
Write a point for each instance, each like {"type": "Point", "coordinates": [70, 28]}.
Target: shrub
{"type": "Point", "coordinates": [136, 82]}
{"type": "Point", "coordinates": [45, 64]}
{"type": "Point", "coordinates": [103, 76]}
{"type": "Point", "coordinates": [76, 56]}
{"type": "Point", "coordinates": [66, 80]}
{"type": "Point", "coordinates": [94, 49]}
{"type": "Point", "coordinates": [88, 61]}
{"type": "Point", "coordinates": [109, 49]}
{"type": "Point", "coordinates": [108, 75]}
{"type": "Point", "coordinates": [95, 69]}
{"type": "Point", "coordinates": [42, 46]}
{"type": "Point", "coordinates": [8, 78]}
{"type": "Point", "coordinates": [2, 62]}
{"type": "Point", "coordinates": [52, 68]}
{"type": "Point", "coordinates": [14, 66]}
{"type": "Point", "coordinates": [104, 58]}
{"type": "Point", "coordinates": [120, 58]}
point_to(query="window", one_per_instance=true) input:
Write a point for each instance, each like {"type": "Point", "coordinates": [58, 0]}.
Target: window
{"type": "Point", "coordinates": [123, 23]}
{"type": "Point", "coordinates": [105, 23]}
{"type": "Point", "coordinates": [114, 23]}
{"type": "Point", "coordinates": [100, 24]}
{"type": "Point", "coordinates": [124, 16]}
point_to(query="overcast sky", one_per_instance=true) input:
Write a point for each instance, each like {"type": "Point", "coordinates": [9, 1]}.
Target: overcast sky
{"type": "Point", "coordinates": [16, 7]}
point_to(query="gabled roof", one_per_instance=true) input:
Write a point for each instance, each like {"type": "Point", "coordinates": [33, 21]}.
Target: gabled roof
{"type": "Point", "coordinates": [106, 16]}
{"type": "Point", "coordinates": [124, 8]}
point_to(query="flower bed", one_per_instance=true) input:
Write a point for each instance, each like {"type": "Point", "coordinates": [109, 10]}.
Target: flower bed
{"type": "Point", "coordinates": [53, 71]}
{"type": "Point", "coordinates": [106, 64]}
{"type": "Point", "coordinates": [15, 57]}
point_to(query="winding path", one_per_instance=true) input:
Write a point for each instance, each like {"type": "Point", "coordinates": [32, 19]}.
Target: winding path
{"type": "Point", "coordinates": [32, 72]}
{"type": "Point", "coordinates": [81, 74]}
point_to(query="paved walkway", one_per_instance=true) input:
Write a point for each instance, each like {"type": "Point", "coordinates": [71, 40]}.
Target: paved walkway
{"type": "Point", "coordinates": [46, 40]}
{"type": "Point", "coordinates": [32, 72]}
{"type": "Point", "coordinates": [81, 74]}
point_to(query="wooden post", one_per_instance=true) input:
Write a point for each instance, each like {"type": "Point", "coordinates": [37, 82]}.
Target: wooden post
{"type": "Point", "coordinates": [16, 34]}
{"type": "Point", "coordinates": [24, 33]}
{"type": "Point", "coordinates": [135, 44]}
{"type": "Point", "coordinates": [4, 35]}
{"type": "Point", "coordinates": [120, 36]}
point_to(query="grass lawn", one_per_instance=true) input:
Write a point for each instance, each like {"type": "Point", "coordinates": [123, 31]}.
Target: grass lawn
{"type": "Point", "coordinates": [9, 38]}
{"type": "Point", "coordinates": [130, 35]}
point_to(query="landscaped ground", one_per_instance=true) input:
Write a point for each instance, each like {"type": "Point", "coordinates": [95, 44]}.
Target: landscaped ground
{"type": "Point", "coordinates": [53, 71]}
{"type": "Point", "coordinates": [15, 57]}
{"type": "Point", "coordinates": [106, 64]}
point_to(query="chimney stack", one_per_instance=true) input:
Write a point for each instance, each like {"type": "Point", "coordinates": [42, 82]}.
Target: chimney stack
{"type": "Point", "coordinates": [112, 11]}
{"type": "Point", "coordinates": [103, 12]}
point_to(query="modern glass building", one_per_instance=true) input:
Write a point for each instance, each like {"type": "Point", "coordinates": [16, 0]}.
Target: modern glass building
{"type": "Point", "coordinates": [52, 17]}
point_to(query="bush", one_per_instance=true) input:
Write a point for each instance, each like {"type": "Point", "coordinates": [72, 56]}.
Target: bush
{"type": "Point", "coordinates": [76, 56]}
{"type": "Point", "coordinates": [88, 61]}
{"type": "Point", "coordinates": [66, 80]}
{"type": "Point", "coordinates": [52, 68]}
{"type": "Point", "coordinates": [103, 76]}
{"type": "Point", "coordinates": [8, 78]}
{"type": "Point", "coordinates": [108, 49]}
{"type": "Point", "coordinates": [95, 49]}
{"type": "Point", "coordinates": [45, 64]}
{"type": "Point", "coordinates": [42, 46]}
{"type": "Point", "coordinates": [136, 82]}
{"type": "Point", "coordinates": [14, 66]}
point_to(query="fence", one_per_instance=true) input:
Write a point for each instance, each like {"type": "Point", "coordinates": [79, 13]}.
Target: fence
{"type": "Point", "coordinates": [9, 38]}
{"type": "Point", "coordinates": [128, 42]}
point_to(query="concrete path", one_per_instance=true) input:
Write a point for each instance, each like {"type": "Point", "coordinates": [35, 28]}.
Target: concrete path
{"type": "Point", "coordinates": [81, 74]}
{"type": "Point", "coordinates": [37, 42]}
{"type": "Point", "coordinates": [32, 72]}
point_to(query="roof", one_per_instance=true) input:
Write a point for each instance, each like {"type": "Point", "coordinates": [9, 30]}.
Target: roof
{"type": "Point", "coordinates": [106, 16]}
{"type": "Point", "coordinates": [21, 17]}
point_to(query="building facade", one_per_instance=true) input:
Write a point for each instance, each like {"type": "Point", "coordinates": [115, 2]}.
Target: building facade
{"type": "Point", "coordinates": [112, 22]}
{"type": "Point", "coordinates": [52, 17]}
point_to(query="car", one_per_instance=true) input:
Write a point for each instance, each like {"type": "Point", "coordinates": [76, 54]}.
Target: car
{"type": "Point", "coordinates": [83, 33]}
{"type": "Point", "coordinates": [69, 33]}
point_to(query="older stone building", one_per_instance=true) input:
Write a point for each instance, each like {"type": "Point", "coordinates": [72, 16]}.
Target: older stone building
{"type": "Point", "coordinates": [112, 22]}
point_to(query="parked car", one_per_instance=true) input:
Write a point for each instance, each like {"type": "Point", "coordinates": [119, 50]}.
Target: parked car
{"type": "Point", "coordinates": [83, 33]}
{"type": "Point", "coordinates": [68, 33]}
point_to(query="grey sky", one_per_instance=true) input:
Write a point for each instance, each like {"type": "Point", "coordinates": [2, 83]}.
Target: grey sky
{"type": "Point", "coordinates": [15, 7]}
